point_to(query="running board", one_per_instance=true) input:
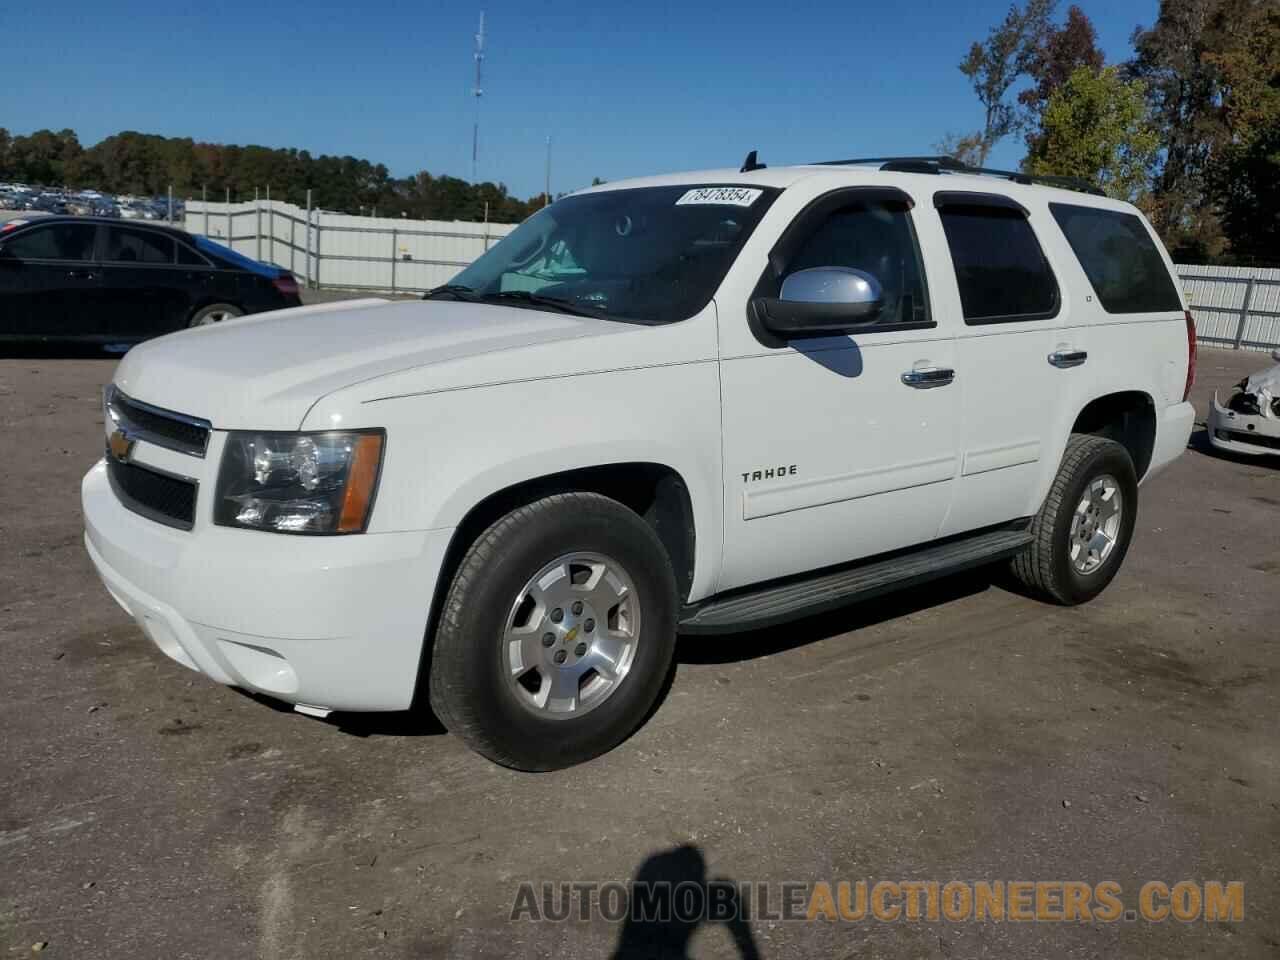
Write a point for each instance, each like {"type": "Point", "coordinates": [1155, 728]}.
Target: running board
{"type": "Point", "coordinates": [778, 603]}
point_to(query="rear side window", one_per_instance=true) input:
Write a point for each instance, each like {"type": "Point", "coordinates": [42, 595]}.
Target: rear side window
{"type": "Point", "coordinates": [59, 241]}
{"type": "Point", "coordinates": [1120, 259]}
{"type": "Point", "coordinates": [138, 246]}
{"type": "Point", "coordinates": [1001, 271]}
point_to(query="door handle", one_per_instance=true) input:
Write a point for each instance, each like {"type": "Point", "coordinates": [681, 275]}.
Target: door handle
{"type": "Point", "coordinates": [923, 378]}
{"type": "Point", "coordinates": [1068, 358]}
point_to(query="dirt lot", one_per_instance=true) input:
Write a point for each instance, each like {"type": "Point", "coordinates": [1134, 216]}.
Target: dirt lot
{"type": "Point", "coordinates": [962, 731]}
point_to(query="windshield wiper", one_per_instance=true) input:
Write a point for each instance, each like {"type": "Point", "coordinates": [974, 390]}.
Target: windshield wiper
{"type": "Point", "coordinates": [456, 290]}
{"type": "Point", "coordinates": [459, 291]}
{"type": "Point", "coordinates": [550, 303]}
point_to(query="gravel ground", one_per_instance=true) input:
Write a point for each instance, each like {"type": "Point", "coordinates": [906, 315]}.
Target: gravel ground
{"type": "Point", "coordinates": [960, 731]}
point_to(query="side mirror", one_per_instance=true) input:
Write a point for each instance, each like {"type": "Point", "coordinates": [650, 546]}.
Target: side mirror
{"type": "Point", "coordinates": [821, 301]}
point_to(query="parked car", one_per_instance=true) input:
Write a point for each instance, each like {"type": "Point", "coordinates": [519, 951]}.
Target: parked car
{"type": "Point", "coordinates": [106, 281]}
{"type": "Point", "coordinates": [22, 200]}
{"type": "Point", "coordinates": [1249, 422]}
{"type": "Point", "coordinates": [705, 402]}
{"type": "Point", "coordinates": [161, 206]}
{"type": "Point", "coordinates": [47, 203]}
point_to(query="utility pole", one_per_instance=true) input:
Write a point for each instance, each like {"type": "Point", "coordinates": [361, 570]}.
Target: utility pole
{"type": "Point", "coordinates": [477, 91]}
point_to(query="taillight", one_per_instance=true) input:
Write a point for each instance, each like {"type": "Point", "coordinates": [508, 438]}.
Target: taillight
{"type": "Point", "coordinates": [287, 284]}
{"type": "Point", "coordinates": [1191, 356]}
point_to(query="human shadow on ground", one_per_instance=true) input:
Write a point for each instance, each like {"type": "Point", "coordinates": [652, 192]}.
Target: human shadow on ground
{"type": "Point", "coordinates": [678, 899]}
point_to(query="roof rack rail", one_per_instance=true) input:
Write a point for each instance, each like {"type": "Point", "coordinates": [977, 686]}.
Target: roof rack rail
{"type": "Point", "coordinates": [946, 164]}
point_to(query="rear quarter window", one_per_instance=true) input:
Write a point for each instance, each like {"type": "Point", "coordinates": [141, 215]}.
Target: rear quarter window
{"type": "Point", "coordinates": [1120, 259]}
{"type": "Point", "coordinates": [126, 245]}
{"type": "Point", "coordinates": [189, 258]}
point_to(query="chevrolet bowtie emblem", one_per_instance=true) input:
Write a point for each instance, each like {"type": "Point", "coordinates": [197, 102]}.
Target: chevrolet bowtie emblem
{"type": "Point", "coordinates": [120, 444]}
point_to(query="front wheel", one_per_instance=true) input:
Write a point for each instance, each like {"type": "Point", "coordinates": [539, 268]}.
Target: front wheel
{"type": "Point", "coordinates": [557, 633]}
{"type": "Point", "coordinates": [1083, 530]}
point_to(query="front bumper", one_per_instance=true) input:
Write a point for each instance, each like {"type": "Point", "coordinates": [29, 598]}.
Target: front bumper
{"type": "Point", "coordinates": [1243, 433]}
{"type": "Point", "coordinates": [335, 623]}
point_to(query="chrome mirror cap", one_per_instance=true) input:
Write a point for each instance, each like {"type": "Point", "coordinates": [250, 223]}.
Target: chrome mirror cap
{"type": "Point", "coordinates": [836, 285]}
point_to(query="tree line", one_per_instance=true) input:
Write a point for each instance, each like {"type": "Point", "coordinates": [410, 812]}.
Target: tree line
{"type": "Point", "coordinates": [146, 164]}
{"type": "Point", "coordinates": [1187, 128]}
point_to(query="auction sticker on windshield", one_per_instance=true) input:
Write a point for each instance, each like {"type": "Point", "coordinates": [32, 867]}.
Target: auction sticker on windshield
{"type": "Point", "coordinates": [721, 196]}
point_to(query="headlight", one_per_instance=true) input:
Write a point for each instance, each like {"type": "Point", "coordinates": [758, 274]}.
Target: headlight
{"type": "Point", "coordinates": [298, 482]}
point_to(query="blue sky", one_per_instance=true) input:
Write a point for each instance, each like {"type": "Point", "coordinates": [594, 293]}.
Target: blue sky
{"type": "Point", "coordinates": [624, 89]}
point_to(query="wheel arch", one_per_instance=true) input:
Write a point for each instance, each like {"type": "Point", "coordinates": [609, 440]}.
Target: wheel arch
{"type": "Point", "coordinates": [1127, 417]}
{"type": "Point", "coordinates": [655, 491]}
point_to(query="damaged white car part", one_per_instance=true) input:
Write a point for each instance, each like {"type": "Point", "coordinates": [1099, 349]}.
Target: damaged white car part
{"type": "Point", "coordinates": [1249, 422]}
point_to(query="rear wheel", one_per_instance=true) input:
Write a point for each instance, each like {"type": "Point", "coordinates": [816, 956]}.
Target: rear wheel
{"type": "Point", "coordinates": [214, 313]}
{"type": "Point", "coordinates": [557, 633]}
{"type": "Point", "coordinates": [1083, 530]}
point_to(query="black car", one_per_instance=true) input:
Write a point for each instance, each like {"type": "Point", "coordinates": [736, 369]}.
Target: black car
{"type": "Point", "coordinates": [50, 205]}
{"type": "Point", "coordinates": [113, 282]}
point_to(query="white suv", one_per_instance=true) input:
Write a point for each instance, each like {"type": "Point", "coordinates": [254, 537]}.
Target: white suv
{"type": "Point", "coordinates": [695, 403]}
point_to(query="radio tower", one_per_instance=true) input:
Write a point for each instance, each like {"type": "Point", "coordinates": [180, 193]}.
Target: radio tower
{"type": "Point", "coordinates": [477, 91]}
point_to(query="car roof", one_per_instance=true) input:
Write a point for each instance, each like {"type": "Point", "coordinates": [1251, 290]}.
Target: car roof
{"type": "Point", "coordinates": [919, 184]}
{"type": "Point", "coordinates": [113, 222]}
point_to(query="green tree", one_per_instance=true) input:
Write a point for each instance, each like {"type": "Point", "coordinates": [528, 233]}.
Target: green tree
{"type": "Point", "coordinates": [1173, 59]}
{"type": "Point", "coordinates": [1210, 70]}
{"type": "Point", "coordinates": [995, 64]}
{"type": "Point", "coordinates": [43, 157]}
{"type": "Point", "coordinates": [1244, 175]}
{"type": "Point", "coordinates": [1062, 51]}
{"type": "Point", "coordinates": [1097, 126]}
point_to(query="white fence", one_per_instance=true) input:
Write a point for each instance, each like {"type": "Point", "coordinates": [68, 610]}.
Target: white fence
{"type": "Point", "coordinates": [337, 250]}
{"type": "Point", "coordinates": [1234, 306]}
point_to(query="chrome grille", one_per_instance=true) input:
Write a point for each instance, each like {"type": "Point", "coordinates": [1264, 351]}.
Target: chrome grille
{"type": "Point", "coordinates": [164, 428]}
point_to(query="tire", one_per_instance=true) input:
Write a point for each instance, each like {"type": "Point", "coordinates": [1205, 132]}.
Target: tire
{"type": "Point", "coordinates": [214, 313]}
{"type": "Point", "coordinates": [472, 681]}
{"type": "Point", "coordinates": [1050, 565]}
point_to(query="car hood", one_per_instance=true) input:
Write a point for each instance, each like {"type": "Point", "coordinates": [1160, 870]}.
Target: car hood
{"type": "Point", "coordinates": [265, 372]}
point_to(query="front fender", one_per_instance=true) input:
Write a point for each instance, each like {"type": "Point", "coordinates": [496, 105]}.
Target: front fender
{"type": "Point", "coordinates": [446, 452]}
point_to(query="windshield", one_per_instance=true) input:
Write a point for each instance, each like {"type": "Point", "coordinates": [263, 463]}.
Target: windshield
{"type": "Point", "coordinates": [652, 255]}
